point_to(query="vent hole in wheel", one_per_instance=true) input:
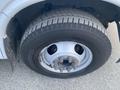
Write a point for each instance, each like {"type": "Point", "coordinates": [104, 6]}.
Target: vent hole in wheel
{"type": "Point", "coordinates": [79, 49]}
{"type": "Point", "coordinates": [52, 49]}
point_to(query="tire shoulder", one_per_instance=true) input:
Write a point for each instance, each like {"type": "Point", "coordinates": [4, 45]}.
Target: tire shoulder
{"type": "Point", "coordinates": [61, 17]}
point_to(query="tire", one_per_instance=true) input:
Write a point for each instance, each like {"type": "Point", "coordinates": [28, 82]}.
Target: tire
{"type": "Point", "coordinates": [65, 25]}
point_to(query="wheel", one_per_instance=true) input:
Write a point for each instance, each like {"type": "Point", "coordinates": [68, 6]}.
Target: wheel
{"type": "Point", "coordinates": [65, 43]}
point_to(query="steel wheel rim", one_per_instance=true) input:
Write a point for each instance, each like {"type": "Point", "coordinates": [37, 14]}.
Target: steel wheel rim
{"type": "Point", "coordinates": [65, 57]}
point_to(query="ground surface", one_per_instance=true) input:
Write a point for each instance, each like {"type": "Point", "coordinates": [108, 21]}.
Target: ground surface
{"type": "Point", "coordinates": [105, 78]}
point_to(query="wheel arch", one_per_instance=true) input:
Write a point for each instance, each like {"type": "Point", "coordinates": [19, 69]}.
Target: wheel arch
{"type": "Point", "coordinates": [15, 15]}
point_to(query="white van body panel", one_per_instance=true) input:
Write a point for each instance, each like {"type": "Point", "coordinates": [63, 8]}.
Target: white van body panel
{"type": "Point", "coordinates": [4, 3]}
{"type": "Point", "coordinates": [115, 2]}
{"type": "Point", "coordinates": [9, 8]}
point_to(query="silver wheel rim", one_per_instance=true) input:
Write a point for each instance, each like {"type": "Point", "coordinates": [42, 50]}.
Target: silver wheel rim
{"type": "Point", "coordinates": [65, 57]}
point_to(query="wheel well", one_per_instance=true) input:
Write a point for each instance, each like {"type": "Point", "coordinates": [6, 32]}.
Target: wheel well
{"type": "Point", "coordinates": [104, 11]}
